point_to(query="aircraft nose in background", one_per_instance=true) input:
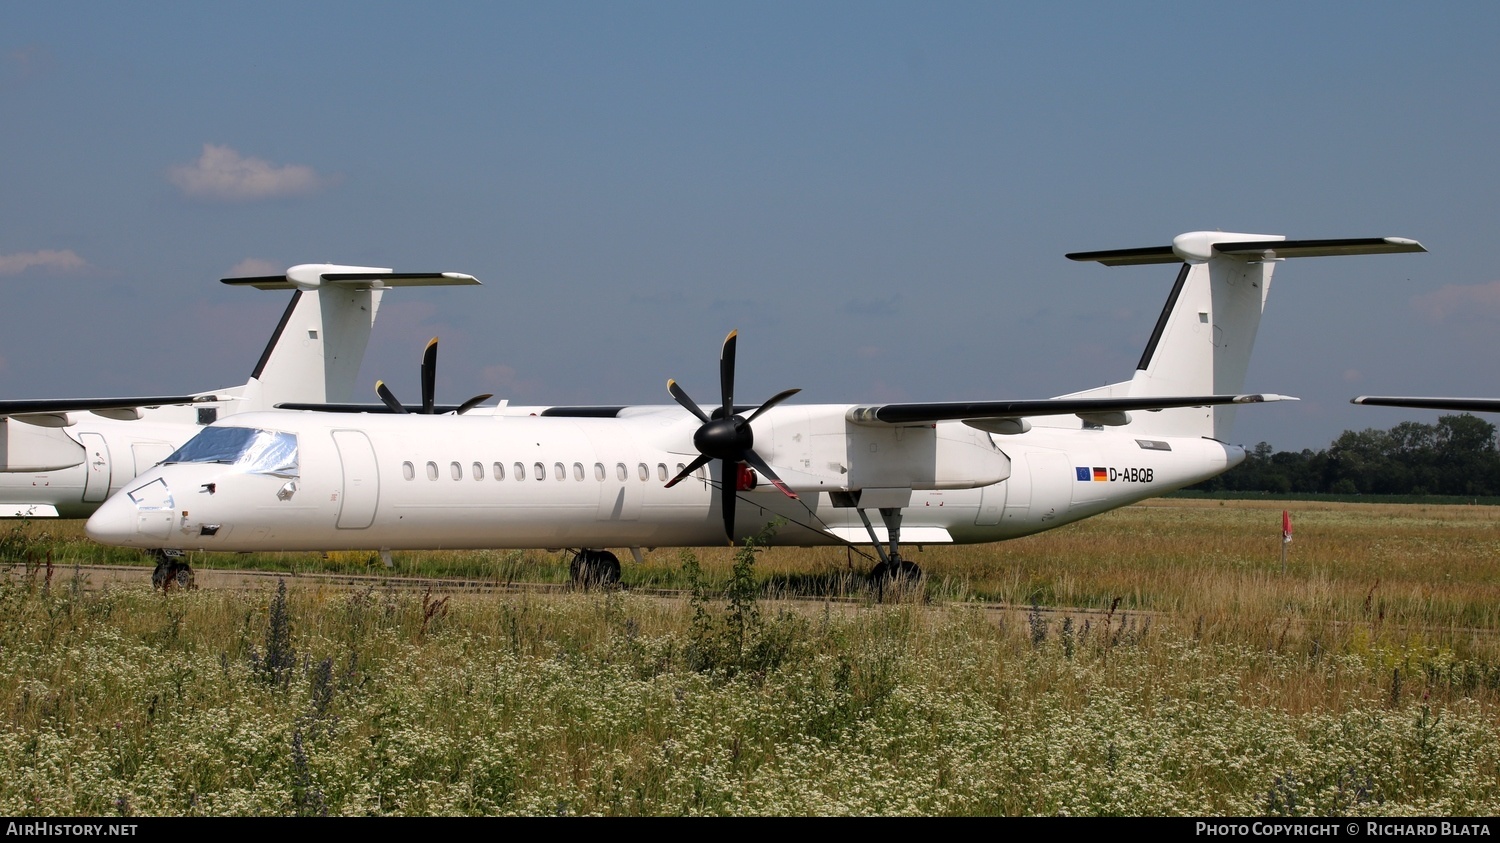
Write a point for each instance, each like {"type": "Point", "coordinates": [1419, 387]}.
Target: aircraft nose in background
{"type": "Point", "coordinates": [114, 522]}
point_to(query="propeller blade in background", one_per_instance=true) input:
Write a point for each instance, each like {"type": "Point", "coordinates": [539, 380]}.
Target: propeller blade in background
{"type": "Point", "coordinates": [429, 376]}
{"type": "Point", "coordinates": [390, 400]}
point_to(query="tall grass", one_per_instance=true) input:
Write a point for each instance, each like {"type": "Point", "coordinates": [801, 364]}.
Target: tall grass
{"type": "Point", "coordinates": [1154, 661]}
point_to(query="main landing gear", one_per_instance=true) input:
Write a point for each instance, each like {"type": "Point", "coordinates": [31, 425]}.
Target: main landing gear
{"type": "Point", "coordinates": [594, 568]}
{"type": "Point", "coordinates": [172, 571]}
{"type": "Point", "coordinates": [891, 569]}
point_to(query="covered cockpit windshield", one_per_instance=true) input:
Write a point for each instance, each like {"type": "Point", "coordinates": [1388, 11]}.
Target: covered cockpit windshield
{"type": "Point", "coordinates": [247, 448]}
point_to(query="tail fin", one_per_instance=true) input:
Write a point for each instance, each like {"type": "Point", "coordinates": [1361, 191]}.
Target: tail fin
{"type": "Point", "coordinates": [315, 354]}
{"type": "Point", "coordinates": [1202, 341]}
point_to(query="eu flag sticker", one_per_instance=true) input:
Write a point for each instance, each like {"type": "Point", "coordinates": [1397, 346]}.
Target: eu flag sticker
{"type": "Point", "coordinates": [1083, 473]}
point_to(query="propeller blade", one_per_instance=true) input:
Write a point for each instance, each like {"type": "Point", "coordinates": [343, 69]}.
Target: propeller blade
{"type": "Point", "coordinates": [728, 438]}
{"type": "Point", "coordinates": [472, 403]}
{"type": "Point", "coordinates": [390, 400]}
{"type": "Point", "coordinates": [726, 373]}
{"type": "Point", "coordinates": [693, 466]}
{"type": "Point", "coordinates": [686, 402]}
{"type": "Point", "coordinates": [429, 375]}
{"type": "Point", "coordinates": [755, 462]}
{"type": "Point", "coordinates": [728, 496]}
{"type": "Point", "coordinates": [775, 399]}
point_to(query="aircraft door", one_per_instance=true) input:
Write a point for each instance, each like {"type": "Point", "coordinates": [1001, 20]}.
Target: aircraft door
{"type": "Point", "coordinates": [95, 466]}
{"type": "Point", "coordinates": [361, 479]}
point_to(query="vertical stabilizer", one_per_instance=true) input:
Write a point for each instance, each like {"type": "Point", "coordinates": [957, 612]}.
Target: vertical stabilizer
{"type": "Point", "coordinates": [315, 354]}
{"type": "Point", "coordinates": [1202, 342]}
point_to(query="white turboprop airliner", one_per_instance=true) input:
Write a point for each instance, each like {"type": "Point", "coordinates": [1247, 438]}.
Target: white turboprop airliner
{"type": "Point", "coordinates": [634, 477]}
{"type": "Point", "coordinates": [63, 457]}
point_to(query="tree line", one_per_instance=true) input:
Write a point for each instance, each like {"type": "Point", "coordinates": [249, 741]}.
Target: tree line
{"type": "Point", "coordinates": [1456, 456]}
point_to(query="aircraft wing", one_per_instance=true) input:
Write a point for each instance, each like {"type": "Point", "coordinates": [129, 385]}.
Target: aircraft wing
{"type": "Point", "coordinates": [369, 408]}
{"type": "Point", "coordinates": [1480, 405]}
{"type": "Point", "coordinates": [985, 415]}
{"type": "Point", "coordinates": [977, 413]}
{"type": "Point", "coordinates": [42, 406]}
{"type": "Point", "coordinates": [1000, 416]}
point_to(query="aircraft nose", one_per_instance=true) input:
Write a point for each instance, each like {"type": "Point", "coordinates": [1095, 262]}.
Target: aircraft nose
{"type": "Point", "coordinates": [115, 522]}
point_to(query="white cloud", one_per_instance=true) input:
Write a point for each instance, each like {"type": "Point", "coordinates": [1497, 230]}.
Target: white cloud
{"type": "Point", "coordinates": [255, 268]}
{"type": "Point", "coordinates": [222, 173]}
{"type": "Point", "coordinates": [1453, 303]}
{"type": "Point", "coordinates": [25, 62]}
{"type": "Point", "coordinates": [49, 259]}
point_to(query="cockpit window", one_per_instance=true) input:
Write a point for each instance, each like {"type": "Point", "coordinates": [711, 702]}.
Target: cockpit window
{"type": "Point", "coordinates": [250, 449]}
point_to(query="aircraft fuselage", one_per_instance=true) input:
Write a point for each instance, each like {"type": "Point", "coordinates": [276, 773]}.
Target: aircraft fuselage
{"type": "Point", "coordinates": [521, 481]}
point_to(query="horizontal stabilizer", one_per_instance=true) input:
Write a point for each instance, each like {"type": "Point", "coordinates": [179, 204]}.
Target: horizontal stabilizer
{"type": "Point", "coordinates": [985, 410]}
{"type": "Point", "coordinates": [311, 276]}
{"type": "Point", "coordinates": [1197, 246]}
{"type": "Point", "coordinates": [1479, 405]}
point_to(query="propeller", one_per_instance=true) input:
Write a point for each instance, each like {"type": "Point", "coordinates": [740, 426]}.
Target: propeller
{"type": "Point", "coordinates": [726, 436]}
{"type": "Point", "coordinates": [429, 386]}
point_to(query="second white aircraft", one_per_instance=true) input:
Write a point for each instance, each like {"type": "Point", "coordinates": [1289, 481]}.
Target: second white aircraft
{"type": "Point", "coordinates": [592, 479]}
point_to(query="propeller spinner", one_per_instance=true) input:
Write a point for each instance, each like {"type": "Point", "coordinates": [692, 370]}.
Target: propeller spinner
{"type": "Point", "coordinates": [429, 386]}
{"type": "Point", "coordinates": [727, 436]}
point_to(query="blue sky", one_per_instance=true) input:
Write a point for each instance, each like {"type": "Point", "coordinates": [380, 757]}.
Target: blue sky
{"type": "Point", "coordinates": [877, 195]}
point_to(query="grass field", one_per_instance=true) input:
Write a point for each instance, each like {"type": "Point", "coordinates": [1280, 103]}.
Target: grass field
{"type": "Point", "coordinates": [1162, 659]}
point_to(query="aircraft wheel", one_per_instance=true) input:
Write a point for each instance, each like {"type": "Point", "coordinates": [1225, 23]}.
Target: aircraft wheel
{"type": "Point", "coordinates": [163, 575]}
{"type": "Point", "coordinates": [899, 569]}
{"type": "Point", "coordinates": [897, 577]}
{"type": "Point", "coordinates": [183, 576]}
{"type": "Point", "coordinates": [170, 573]}
{"type": "Point", "coordinates": [592, 568]}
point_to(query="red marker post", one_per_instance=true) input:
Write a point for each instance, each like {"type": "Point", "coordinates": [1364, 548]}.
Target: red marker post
{"type": "Point", "coordinates": [1286, 536]}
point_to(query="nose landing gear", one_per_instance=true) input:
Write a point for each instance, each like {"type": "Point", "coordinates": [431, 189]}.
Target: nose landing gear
{"type": "Point", "coordinates": [172, 571]}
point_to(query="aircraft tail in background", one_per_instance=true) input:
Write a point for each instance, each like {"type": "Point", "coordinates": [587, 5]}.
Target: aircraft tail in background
{"type": "Point", "coordinates": [1206, 331]}
{"type": "Point", "coordinates": [316, 352]}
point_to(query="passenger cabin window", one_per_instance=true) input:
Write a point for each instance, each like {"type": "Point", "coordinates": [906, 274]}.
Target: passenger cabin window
{"type": "Point", "coordinates": [541, 471]}
{"type": "Point", "coordinates": [559, 472]}
{"type": "Point", "coordinates": [645, 472]}
{"type": "Point", "coordinates": [661, 472]}
{"type": "Point", "coordinates": [577, 471]}
{"type": "Point", "coordinates": [456, 470]}
{"type": "Point", "coordinates": [621, 472]}
{"type": "Point", "coordinates": [408, 470]}
{"type": "Point", "coordinates": [478, 471]}
{"type": "Point", "coordinates": [499, 471]}
{"type": "Point", "coordinates": [248, 449]}
{"type": "Point", "coordinates": [520, 471]}
{"type": "Point", "coordinates": [431, 470]}
{"type": "Point", "coordinates": [599, 471]}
